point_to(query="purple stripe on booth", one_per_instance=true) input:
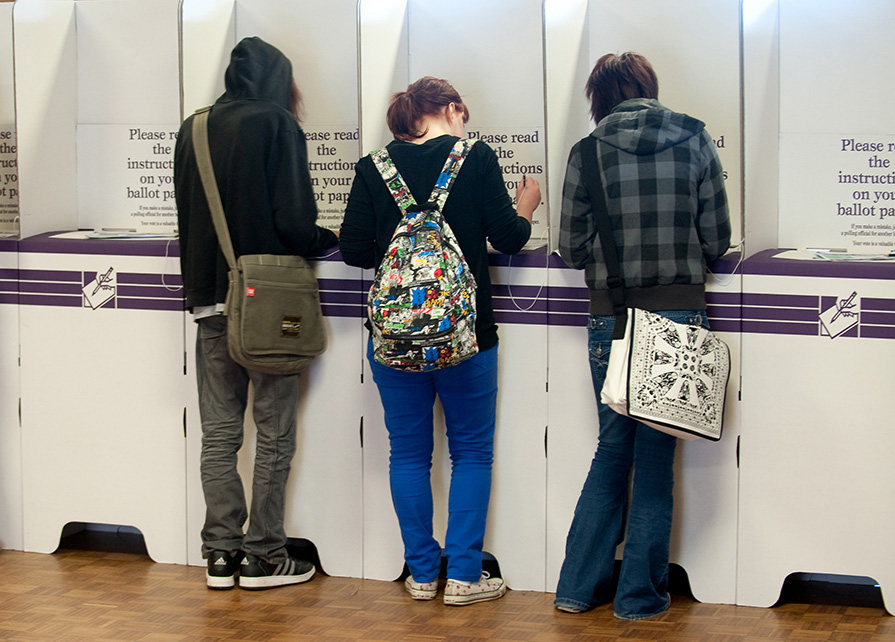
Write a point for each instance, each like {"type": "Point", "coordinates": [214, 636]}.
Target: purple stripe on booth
{"type": "Point", "coordinates": [517, 317]}
{"type": "Point", "coordinates": [569, 320]}
{"type": "Point", "coordinates": [46, 244]}
{"type": "Point", "coordinates": [168, 305]}
{"type": "Point", "coordinates": [561, 305]}
{"type": "Point", "coordinates": [150, 292]}
{"type": "Point", "coordinates": [724, 298]}
{"type": "Point", "coordinates": [58, 301]}
{"type": "Point", "coordinates": [779, 327]}
{"type": "Point", "coordinates": [520, 304]}
{"type": "Point", "coordinates": [725, 325]}
{"type": "Point", "coordinates": [877, 318]}
{"type": "Point", "coordinates": [879, 305]}
{"type": "Point", "coordinates": [164, 280]}
{"type": "Point", "coordinates": [566, 292]}
{"type": "Point", "coordinates": [877, 332]}
{"type": "Point", "coordinates": [344, 311]}
{"type": "Point", "coordinates": [68, 276]}
{"type": "Point", "coordinates": [347, 285]}
{"type": "Point", "coordinates": [531, 291]}
{"type": "Point", "coordinates": [526, 258]}
{"type": "Point", "coordinates": [782, 300]}
{"type": "Point", "coordinates": [780, 314]}
{"type": "Point", "coordinates": [41, 287]}
{"type": "Point", "coordinates": [348, 298]}
{"type": "Point", "coordinates": [722, 312]}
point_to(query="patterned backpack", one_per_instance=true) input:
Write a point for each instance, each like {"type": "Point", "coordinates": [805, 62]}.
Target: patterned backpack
{"type": "Point", "coordinates": [422, 302]}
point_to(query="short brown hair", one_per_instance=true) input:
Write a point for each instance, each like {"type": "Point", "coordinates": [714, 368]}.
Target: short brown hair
{"type": "Point", "coordinates": [618, 78]}
{"type": "Point", "coordinates": [425, 97]}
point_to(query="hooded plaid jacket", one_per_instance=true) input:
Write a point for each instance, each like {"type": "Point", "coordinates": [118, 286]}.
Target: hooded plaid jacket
{"type": "Point", "coordinates": [667, 206]}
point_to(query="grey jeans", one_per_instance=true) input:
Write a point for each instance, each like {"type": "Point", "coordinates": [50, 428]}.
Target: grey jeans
{"type": "Point", "coordinates": [223, 396]}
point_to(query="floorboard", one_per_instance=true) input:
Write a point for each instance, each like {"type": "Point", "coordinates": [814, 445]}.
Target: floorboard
{"type": "Point", "coordinates": [75, 595]}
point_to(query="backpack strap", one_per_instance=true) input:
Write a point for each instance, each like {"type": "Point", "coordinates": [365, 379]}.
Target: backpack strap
{"type": "Point", "coordinates": [401, 193]}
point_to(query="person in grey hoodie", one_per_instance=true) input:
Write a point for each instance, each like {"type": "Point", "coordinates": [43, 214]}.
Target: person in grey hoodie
{"type": "Point", "coordinates": [669, 215]}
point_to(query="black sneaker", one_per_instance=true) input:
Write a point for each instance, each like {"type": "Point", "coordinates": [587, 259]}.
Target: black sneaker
{"type": "Point", "coordinates": [222, 570]}
{"type": "Point", "coordinates": [256, 574]}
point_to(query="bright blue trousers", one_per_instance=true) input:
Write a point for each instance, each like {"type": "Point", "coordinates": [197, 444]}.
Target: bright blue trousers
{"type": "Point", "coordinates": [468, 395]}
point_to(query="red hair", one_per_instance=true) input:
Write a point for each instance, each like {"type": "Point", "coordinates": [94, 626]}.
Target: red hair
{"type": "Point", "coordinates": [428, 96]}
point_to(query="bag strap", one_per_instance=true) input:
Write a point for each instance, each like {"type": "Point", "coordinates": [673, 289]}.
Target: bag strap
{"type": "Point", "coordinates": [210, 185]}
{"type": "Point", "coordinates": [440, 192]}
{"type": "Point", "coordinates": [593, 182]}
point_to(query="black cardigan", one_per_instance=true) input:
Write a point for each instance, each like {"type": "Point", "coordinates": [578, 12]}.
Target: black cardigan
{"type": "Point", "coordinates": [479, 210]}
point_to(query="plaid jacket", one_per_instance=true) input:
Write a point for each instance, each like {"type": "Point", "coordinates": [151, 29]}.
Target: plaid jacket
{"type": "Point", "coordinates": [667, 206]}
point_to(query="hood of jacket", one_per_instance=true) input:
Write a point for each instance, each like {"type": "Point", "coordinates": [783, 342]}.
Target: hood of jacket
{"type": "Point", "coordinates": [642, 126]}
{"type": "Point", "coordinates": [258, 71]}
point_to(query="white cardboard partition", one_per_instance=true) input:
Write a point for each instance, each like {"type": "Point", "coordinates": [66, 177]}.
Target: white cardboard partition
{"type": "Point", "coordinates": [128, 109]}
{"type": "Point", "coordinates": [504, 92]}
{"type": "Point", "coordinates": [11, 527]}
{"type": "Point", "coordinates": [97, 104]}
{"type": "Point", "coordinates": [9, 173]}
{"type": "Point", "coordinates": [567, 65]}
{"type": "Point", "coordinates": [324, 503]}
{"type": "Point", "coordinates": [837, 128]}
{"type": "Point", "coordinates": [812, 498]}
{"type": "Point", "coordinates": [10, 430]}
{"type": "Point", "coordinates": [46, 114]}
{"type": "Point", "coordinates": [816, 482]}
{"type": "Point", "coordinates": [694, 47]}
{"type": "Point", "coordinates": [761, 113]}
{"type": "Point", "coordinates": [98, 445]}
{"type": "Point", "coordinates": [102, 392]}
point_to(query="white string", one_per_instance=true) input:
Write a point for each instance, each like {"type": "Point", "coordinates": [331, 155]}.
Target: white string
{"type": "Point", "coordinates": [537, 296]}
{"type": "Point", "coordinates": [333, 253]}
{"type": "Point", "coordinates": [168, 256]}
{"type": "Point", "coordinates": [724, 282]}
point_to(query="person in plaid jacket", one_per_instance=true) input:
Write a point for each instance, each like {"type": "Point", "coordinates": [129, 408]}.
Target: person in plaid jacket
{"type": "Point", "coordinates": [669, 215]}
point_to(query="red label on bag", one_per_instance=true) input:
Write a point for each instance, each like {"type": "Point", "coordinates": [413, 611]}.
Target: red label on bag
{"type": "Point", "coordinates": [250, 291]}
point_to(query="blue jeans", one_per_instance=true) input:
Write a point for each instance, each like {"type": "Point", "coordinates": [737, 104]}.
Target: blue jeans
{"type": "Point", "coordinates": [468, 394]}
{"type": "Point", "coordinates": [223, 394]}
{"type": "Point", "coordinates": [598, 526]}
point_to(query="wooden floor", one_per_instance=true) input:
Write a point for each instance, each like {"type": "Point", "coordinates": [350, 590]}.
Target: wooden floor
{"type": "Point", "coordinates": [102, 596]}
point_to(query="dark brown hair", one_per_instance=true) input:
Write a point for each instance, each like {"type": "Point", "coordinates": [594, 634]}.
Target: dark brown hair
{"type": "Point", "coordinates": [618, 78]}
{"type": "Point", "coordinates": [426, 97]}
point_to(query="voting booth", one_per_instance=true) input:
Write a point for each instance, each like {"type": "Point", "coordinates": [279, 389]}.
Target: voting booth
{"type": "Point", "coordinates": [695, 52]}
{"type": "Point", "coordinates": [400, 43]}
{"type": "Point", "coordinates": [99, 421]}
{"type": "Point", "coordinates": [100, 319]}
{"type": "Point", "coordinates": [324, 500]}
{"type": "Point", "coordinates": [817, 326]}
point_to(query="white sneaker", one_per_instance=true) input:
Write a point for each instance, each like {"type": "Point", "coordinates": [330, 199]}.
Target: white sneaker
{"type": "Point", "coordinates": [421, 590]}
{"type": "Point", "coordinates": [458, 593]}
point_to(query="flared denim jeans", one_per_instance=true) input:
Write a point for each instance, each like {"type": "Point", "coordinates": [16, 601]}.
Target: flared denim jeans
{"type": "Point", "coordinates": [223, 397]}
{"type": "Point", "coordinates": [606, 515]}
{"type": "Point", "coordinates": [468, 394]}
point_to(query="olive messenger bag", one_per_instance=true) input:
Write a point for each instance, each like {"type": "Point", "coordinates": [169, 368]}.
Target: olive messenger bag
{"type": "Point", "coordinates": [274, 320]}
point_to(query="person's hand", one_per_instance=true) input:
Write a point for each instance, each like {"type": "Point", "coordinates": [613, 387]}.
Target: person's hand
{"type": "Point", "coordinates": [528, 197]}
